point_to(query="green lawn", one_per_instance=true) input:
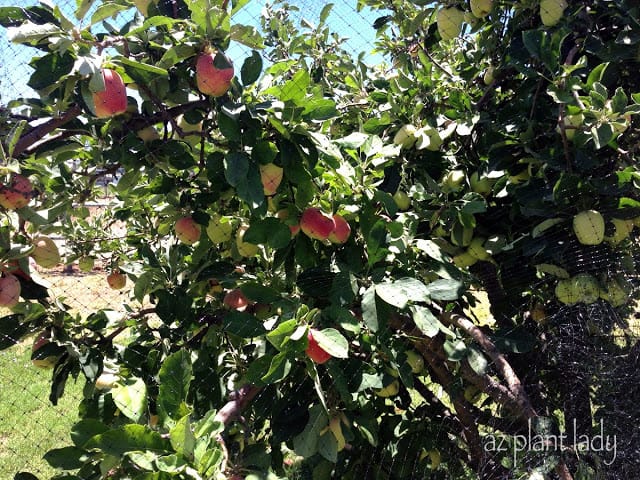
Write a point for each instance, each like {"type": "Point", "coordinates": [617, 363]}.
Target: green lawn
{"type": "Point", "coordinates": [29, 424]}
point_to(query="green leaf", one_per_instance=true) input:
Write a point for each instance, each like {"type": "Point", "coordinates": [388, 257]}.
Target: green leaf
{"type": "Point", "coordinates": [596, 75]}
{"type": "Point", "coordinates": [182, 438]}
{"type": "Point", "coordinates": [294, 89]}
{"type": "Point", "coordinates": [32, 33]}
{"type": "Point", "coordinates": [516, 341]}
{"type": "Point", "coordinates": [236, 167]}
{"type": "Point", "coordinates": [66, 458]}
{"type": "Point", "coordinates": [229, 127]}
{"type": "Point", "coordinates": [306, 443]}
{"type": "Point", "coordinates": [246, 35]}
{"type": "Point", "coordinates": [142, 73]}
{"type": "Point", "coordinates": [602, 134]}
{"type": "Point", "coordinates": [324, 13]}
{"type": "Point", "coordinates": [370, 309]}
{"type": "Point", "coordinates": [107, 10]}
{"type": "Point", "coordinates": [175, 379]}
{"type": "Point", "coordinates": [332, 342]}
{"type": "Point", "coordinates": [251, 68]}
{"type": "Point", "coordinates": [260, 293]}
{"type": "Point", "coordinates": [477, 361]}
{"type": "Point", "coordinates": [399, 292]}
{"type": "Point", "coordinates": [128, 438]}
{"type": "Point", "coordinates": [328, 446]}
{"type": "Point", "coordinates": [278, 369]}
{"type": "Point", "coordinates": [243, 324]}
{"type": "Point", "coordinates": [86, 429]}
{"type": "Point", "coordinates": [282, 333]}
{"type": "Point", "coordinates": [269, 231]}
{"type": "Point", "coordinates": [445, 289]}
{"type": "Point", "coordinates": [426, 321]}
{"type": "Point", "coordinates": [131, 398]}
{"type": "Point", "coordinates": [208, 426]}
{"type": "Point", "coordinates": [455, 350]}
{"type": "Point", "coordinates": [25, 476]}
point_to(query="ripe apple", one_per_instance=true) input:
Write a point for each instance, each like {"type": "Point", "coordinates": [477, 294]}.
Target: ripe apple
{"type": "Point", "coordinates": [271, 176]}
{"type": "Point", "coordinates": [9, 290]}
{"type": "Point", "coordinates": [403, 202]}
{"type": "Point", "coordinates": [588, 226]}
{"type": "Point", "coordinates": [236, 300]}
{"type": "Point", "coordinates": [45, 252]}
{"type": "Point", "coordinates": [106, 381]}
{"type": "Point", "coordinates": [214, 72]}
{"type": "Point", "coordinates": [113, 99]}
{"type": "Point", "coordinates": [449, 22]}
{"type": "Point", "coordinates": [481, 8]}
{"type": "Point", "coordinates": [341, 230]}
{"type": "Point", "coordinates": [39, 360]}
{"type": "Point", "coordinates": [86, 263]}
{"type": "Point", "coordinates": [116, 280]}
{"type": "Point", "coordinates": [551, 11]}
{"type": "Point", "coordinates": [187, 230]}
{"type": "Point", "coordinates": [17, 194]}
{"type": "Point", "coordinates": [245, 249]}
{"type": "Point", "coordinates": [219, 229]}
{"type": "Point", "coordinates": [316, 224]}
{"type": "Point", "coordinates": [314, 351]}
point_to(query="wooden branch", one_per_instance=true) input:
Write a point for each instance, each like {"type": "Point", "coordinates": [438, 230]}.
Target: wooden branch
{"type": "Point", "coordinates": [500, 362]}
{"type": "Point", "coordinates": [40, 131]}
{"type": "Point", "coordinates": [238, 401]}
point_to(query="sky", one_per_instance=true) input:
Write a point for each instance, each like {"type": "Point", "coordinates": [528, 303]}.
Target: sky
{"type": "Point", "coordinates": [344, 19]}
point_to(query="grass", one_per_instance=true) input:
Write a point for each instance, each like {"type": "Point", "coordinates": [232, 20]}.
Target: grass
{"type": "Point", "coordinates": [29, 424]}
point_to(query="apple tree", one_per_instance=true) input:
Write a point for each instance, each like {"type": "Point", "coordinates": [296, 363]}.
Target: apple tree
{"type": "Point", "coordinates": [332, 269]}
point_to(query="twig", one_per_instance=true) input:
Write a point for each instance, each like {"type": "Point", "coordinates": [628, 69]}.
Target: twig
{"type": "Point", "coordinates": [36, 133]}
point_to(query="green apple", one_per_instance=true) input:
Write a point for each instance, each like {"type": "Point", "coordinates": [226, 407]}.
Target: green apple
{"type": "Point", "coordinates": [481, 8]}
{"type": "Point", "coordinates": [449, 22]}
{"type": "Point", "coordinates": [464, 260]}
{"type": "Point", "coordinates": [482, 185]}
{"type": "Point", "coordinates": [588, 226]}
{"type": "Point", "coordinates": [453, 180]}
{"type": "Point", "coordinates": [551, 11]}
{"type": "Point", "coordinates": [219, 229]}
{"type": "Point", "coordinates": [402, 200]}
{"type": "Point", "coordinates": [622, 229]}
{"type": "Point", "coordinates": [616, 291]}
{"type": "Point", "coordinates": [391, 389]}
{"type": "Point", "coordinates": [476, 249]}
{"type": "Point", "coordinates": [587, 287]}
{"type": "Point", "coordinates": [415, 361]}
{"type": "Point", "coordinates": [406, 136]}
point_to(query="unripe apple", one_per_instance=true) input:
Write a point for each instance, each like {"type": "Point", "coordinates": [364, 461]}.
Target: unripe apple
{"type": "Point", "coordinates": [622, 229]}
{"type": "Point", "coordinates": [37, 359]}
{"type": "Point", "coordinates": [113, 99]}
{"type": "Point", "coordinates": [587, 286]}
{"type": "Point", "coordinates": [461, 236]}
{"type": "Point", "coordinates": [489, 76]}
{"type": "Point", "coordinates": [86, 263]}
{"type": "Point", "coordinates": [316, 224]}
{"type": "Point", "coordinates": [187, 230]}
{"type": "Point", "coordinates": [402, 200]}
{"type": "Point", "coordinates": [428, 138]}
{"type": "Point", "coordinates": [271, 176]}
{"type": "Point", "coordinates": [572, 123]}
{"type": "Point", "coordinates": [236, 300]}
{"type": "Point", "coordinates": [464, 260]}
{"type": "Point", "coordinates": [406, 136]}
{"type": "Point", "coordinates": [45, 252]}
{"type": "Point", "coordinates": [314, 351]}
{"type": "Point", "coordinates": [389, 390]}
{"type": "Point", "coordinates": [589, 226]}
{"type": "Point", "coordinates": [551, 11]}
{"type": "Point", "coordinates": [245, 249]}
{"type": "Point", "coordinates": [452, 181]}
{"type": "Point", "coordinates": [116, 280]}
{"type": "Point", "coordinates": [148, 134]}
{"type": "Point", "coordinates": [476, 249]}
{"type": "Point", "coordinates": [219, 229]}
{"type": "Point", "coordinates": [482, 185]}
{"type": "Point", "coordinates": [481, 8]}
{"type": "Point", "coordinates": [415, 361]}
{"type": "Point", "coordinates": [10, 289]}
{"type": "Point", "coordinates": [214, 72]}
{"type": "Point", "coordinates": [341, 230]}
{"type": "Point", "coordinates": [106, 381]}
{"type": "Point", "coordinates": [449, 22]}
{"type": "Point", "coordinates": [17, 194]}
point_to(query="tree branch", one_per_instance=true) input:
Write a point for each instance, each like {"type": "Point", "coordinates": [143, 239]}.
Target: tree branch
{"type": "Point", "coordinates": [40, 131]}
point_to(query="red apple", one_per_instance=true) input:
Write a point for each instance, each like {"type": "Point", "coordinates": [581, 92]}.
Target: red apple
{"type": "Point", "coordinates": [316, 224]}
{"type": "Point", "coordinates": [39, 360]}
{"type": "Point", "coordinates": [214, 72]}
{"type": "Point", "coordinates": [314, 351]}
{"type": "Point", "coordinates": [341, 230]}
{"type": "Point", "coordinates": [187, 230]}
{"type": "Point", "coordinates": [113, 99]}
{"type": "Point", "coordinates": [236, 300]}
{"type": "Point", "coordinates": [116, 280]}
{"type": "Point", "coordinates": [9, 291]}
{"type": "Point", "coordinates": [17, 194]}
{"type": "Point", "coordinates": [45, 252]}
{"type": "Point", "coordinates": [283, 215]}
{"type": "Point", "coordinates": [271, 176]}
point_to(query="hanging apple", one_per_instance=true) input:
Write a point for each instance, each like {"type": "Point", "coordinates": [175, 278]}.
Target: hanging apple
{"type": "Point", "coordinates": [214, 72]}
{"type": "Point", "coordinates": [113, 99]}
